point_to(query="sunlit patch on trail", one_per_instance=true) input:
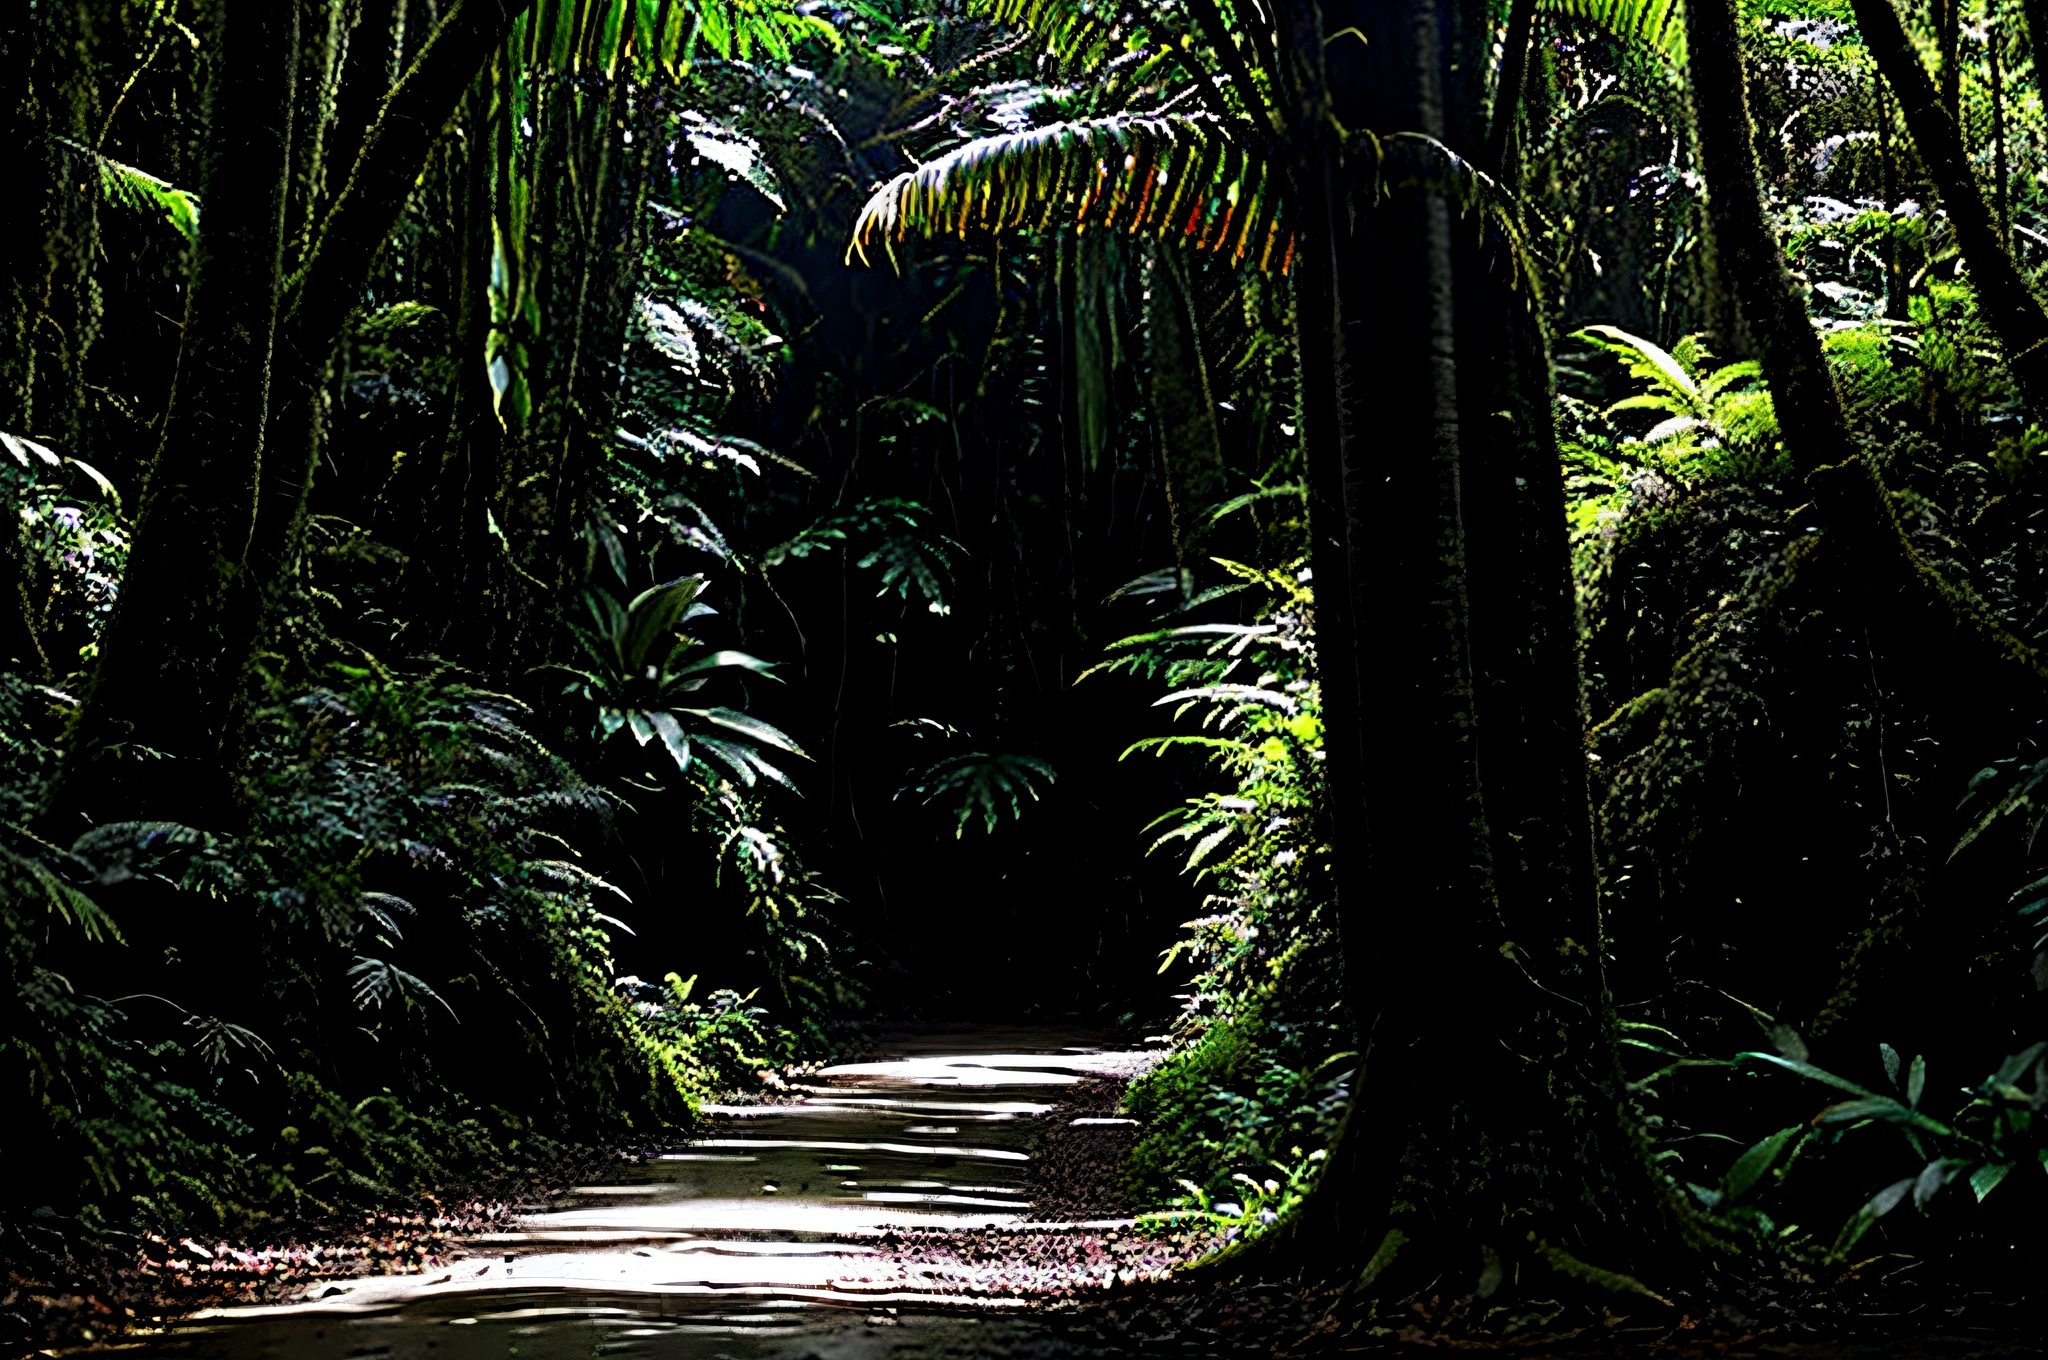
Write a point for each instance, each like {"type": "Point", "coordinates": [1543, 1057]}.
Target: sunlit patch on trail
{"type": "Point", "coordinates": [767, 1227]}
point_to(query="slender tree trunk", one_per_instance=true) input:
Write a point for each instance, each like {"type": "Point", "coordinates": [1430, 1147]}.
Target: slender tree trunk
{"type": "Point", "coordinates": [369, 72]}
{"type": "Point", "coordinates": [1507, 93]}
{"type": "Point", "coordinates": [2003, 298]}
{"type": "Point", "coordinates": [438, 511]}
{"type": "Point", "coordinates": [1896, 305]}
{"type": "Point", "coordinates": [324, 28]}
{"type": "Point", "coordinates": [328, 287]}
{"type": "Point", "coordinates": [161, 656]}
{"type": "Point", "coordinates": [2001, 178]}
{"type": "Point", "coordinates": [1809, 411]}
{"type": "Point", "coordinates": [1948, 32]}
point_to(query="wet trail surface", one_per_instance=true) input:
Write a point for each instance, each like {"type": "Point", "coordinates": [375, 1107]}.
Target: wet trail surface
{"type": "Point", "coordinates": [885, 1212]}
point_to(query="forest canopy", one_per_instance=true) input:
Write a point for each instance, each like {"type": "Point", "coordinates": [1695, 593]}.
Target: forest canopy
{"type": "Point", "coordinates": [1475, 562]}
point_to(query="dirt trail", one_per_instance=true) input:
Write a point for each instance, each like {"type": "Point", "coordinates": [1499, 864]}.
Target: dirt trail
{"type": "Point", "coordinates": [892, 1207]}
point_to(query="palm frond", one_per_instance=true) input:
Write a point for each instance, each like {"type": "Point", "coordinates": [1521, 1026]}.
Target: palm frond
{"type": "Point", "coordinates": [1174, 177]}
{"type": "Point", "coordinates": [984, 783]}
{"type": "Point", "coordinates": [1082, 34]}
{"type": "Point", "coordinates": [1657, 26]}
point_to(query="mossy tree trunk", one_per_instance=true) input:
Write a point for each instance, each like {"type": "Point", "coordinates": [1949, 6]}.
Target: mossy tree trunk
{"type": "Point", "coordinates": [158, 684]}
{"type": "Point", "coordinates": [1873, 574]}
{"type": "Point", "coordinates": [217, 535]}
{"type": "Point", "coordinates": [2007, 305]}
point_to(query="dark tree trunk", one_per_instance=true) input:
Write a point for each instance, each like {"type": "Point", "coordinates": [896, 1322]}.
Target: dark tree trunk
{"type": "Point", "coordinates": [2007, 305]}
{"type": "Point", "coordinates": [163, 652]}
{"type": "Point", "coordinates": [438, 512]}
{"type": "Point", "coordinates": [345, 247]}
{"type": "Point", "coordinates": [1507, 93]}
{"type": "Point", "coordinates": [1809, 412]}
{"type": "Point", "coordinates": [369, 71]}
{"type": "Point", "coordinates": [1896, 304]}
{"type": "Point", "coordinates": [47, 307]}
{"type": "Point", "coordinates": [1948, 34]}
{"type": "Point", "coordinates": [324, 35]}
{"type": "Point", "coordinates": [219, 522]}
{"type": "Point", "coordinates": [1447, 651]}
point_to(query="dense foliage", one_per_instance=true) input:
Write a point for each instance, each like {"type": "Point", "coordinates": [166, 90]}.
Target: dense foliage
{"type": "Point", "coordinates": [511, 501]}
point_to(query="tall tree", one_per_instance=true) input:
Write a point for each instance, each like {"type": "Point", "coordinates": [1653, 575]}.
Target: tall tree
{"type": "Point", "coordinates": [2007, 304]}
{"type": "Point", "coordinates": [226, 491]}
{"type": "Point", "coordinates": [158, 693]}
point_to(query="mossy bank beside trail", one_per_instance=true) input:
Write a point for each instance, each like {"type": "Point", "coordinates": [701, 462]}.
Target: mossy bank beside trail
{"type": "Point", "coordinates": [1464, 576]}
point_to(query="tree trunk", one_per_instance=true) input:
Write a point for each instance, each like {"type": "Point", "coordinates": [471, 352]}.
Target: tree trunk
{"type": "Point", "coordinates": [1809, 411]}
{"type": "Point", "coordinates": [1447, 652]}
{"type": "Point", "coordinates": [1948, 35]}
{"type": "Point", "coordinates": [1507, 93]}
{"type": "Point", "coordinates": [163, 652]}
{"type": "Point", "coordinates": [370, 70]}
{"type": "Point", "coordinates": [2001, 185]}
{"type": "Point", "coordinates": [1896, 306]}
{"type": "Point", "coordinates": [47, 305]}
{"type": "Point", "coordinates": [2003, 298]}
{"type": "Point", "coordinates": [438, 513]}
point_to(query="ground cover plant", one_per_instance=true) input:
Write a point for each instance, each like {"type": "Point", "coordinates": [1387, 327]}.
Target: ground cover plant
{"type": "Point", "coordinates": [1477, 562]}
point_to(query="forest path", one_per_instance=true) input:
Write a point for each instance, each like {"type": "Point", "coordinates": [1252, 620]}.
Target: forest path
{"type": "Point", "coordinates": [883, 1212]}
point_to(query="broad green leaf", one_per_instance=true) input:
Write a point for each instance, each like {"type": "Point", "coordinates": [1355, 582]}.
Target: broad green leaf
{"type": "Point", "coordinates": [2015, 1066]}
{"type": "Point", "coordinates": [1889, 1198]}
{"type": "Point", "coordinates": [1873, 1107]}
{"type": "Point", "coordinates": [673, 737]}
{"type": "Point", "coordinates": [1936, 1174]}
{"type": "Point", "coordinates": [750, 727]}
{"type": "Point", "coordinates": [1811, 1073]}
{"type": "Point", "coordinates": [1751, 1165]}
{"type": "Point", "coordinates": [1985, 1178]}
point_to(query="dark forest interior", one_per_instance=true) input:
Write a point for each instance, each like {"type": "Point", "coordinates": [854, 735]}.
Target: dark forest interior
{"type": "Point", "coordinates": [1465, 576]}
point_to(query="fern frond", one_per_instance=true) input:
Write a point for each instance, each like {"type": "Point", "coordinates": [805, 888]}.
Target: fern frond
{"type": "Point", "coordinates": [1657, 26]}
{"type": "Point", "coordinates": [128, 187]}
{"type": "Point", "coordinates": [1082, 34]}
{"type": "Point", "coordinates": [1174, 177]}
{"type": "Point", "coordinates": [978, 781]}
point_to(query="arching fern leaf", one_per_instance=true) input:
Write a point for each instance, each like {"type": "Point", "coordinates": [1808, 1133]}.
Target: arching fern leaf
{"type": "Point", "coordinates": [1657, 25]}
{"type": "Point", "coordinates": [984, 783]}
{"type": "Point", "coordinates": [1081, 33]}
{"type": "Point", "coordinates": [128, 187]}
{"type": "Point", "coordinates": [1174, 177]}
